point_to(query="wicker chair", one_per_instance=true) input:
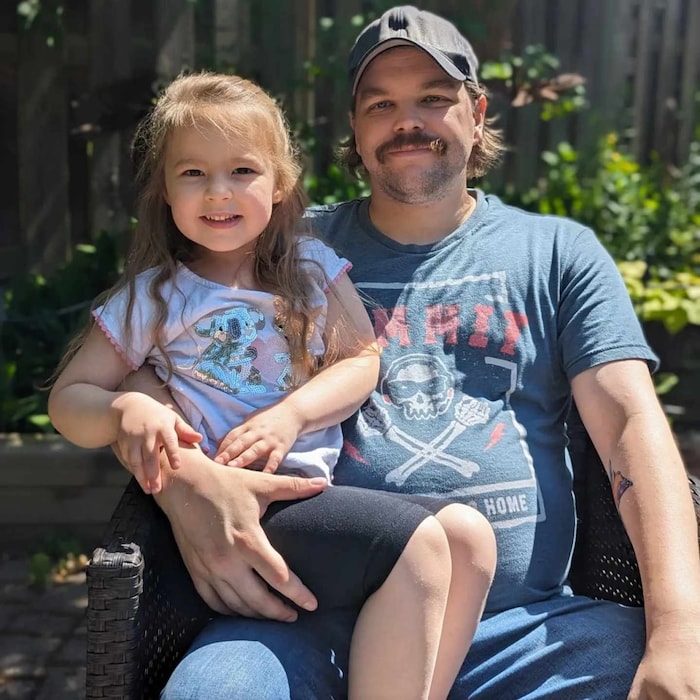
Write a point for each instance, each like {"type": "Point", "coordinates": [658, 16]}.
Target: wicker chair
{"type": "Point", "coordinates": [143, 611]}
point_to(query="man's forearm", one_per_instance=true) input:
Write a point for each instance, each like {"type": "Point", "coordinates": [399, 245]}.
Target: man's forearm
{"type": "Point", "coordinates": [651, 488]}
{"type": "Point", "coordinates": [620, 409]}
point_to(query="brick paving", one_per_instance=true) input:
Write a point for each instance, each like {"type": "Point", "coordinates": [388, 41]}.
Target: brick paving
{"type": "Point", "coordinates": [42, 636]}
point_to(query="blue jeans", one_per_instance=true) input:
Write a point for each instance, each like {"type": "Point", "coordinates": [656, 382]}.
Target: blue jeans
{"type": "Point", "coordinates": [567, 648]}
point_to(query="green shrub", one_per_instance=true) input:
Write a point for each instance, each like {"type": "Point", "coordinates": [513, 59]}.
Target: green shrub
{"type": "Point", "coordinates": [40, 316]}
{"type": "Point", "coordinates": [647, 217]}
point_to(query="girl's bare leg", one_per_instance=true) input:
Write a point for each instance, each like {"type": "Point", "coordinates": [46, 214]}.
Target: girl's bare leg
{"type": "Point", "coordinates": [399, 630]}
{"type": "Point", "coordinates": [473, 553]}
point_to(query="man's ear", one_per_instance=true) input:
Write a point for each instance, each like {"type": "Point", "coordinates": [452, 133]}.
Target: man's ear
{"type": "Point", "coordinates": [351, 120]}
{"type": "Point", "coordinates": [480, 116]}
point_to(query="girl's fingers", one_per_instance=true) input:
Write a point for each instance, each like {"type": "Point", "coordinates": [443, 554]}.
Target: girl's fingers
{"type": "Point", "coordinates": [151, 457]}
{"type": "Point", "coordinates": [231, 446]}
{"type": "Point", "coordinates": [247, 457]}
{"type": "Point", "coordinates": [273, 462]}
{"type": "Point", "coordinates": [186, 432]}
{"type": "Point", "coordinates": [171, 445]}
{"type": "Point", "coordinates": [134, 462]}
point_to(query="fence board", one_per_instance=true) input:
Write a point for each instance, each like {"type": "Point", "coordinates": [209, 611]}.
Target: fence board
{"type": "Point", "coordinates": [563, 43]}
{"type": "Point", "coordinates": [10, 239]}
{"type": "Point", "coordinates": [231, 33]}
{"type": "Point", "coordinates": [525, 127]}
{"type": "Point", "coordinates": [43, 175]}
{"type": "Point", "coordinates": [110, 64]}
{"type": "Point", "coordinates": [331, 87]}
{"type": "Point", "coordinates": [665, 101]}
{"type": "Point", "coordinates": [689, 79]}
{"type": "Point", "coordinates": [612, 66]}
{"type": "Point", "coordinates": [305, 35]}
{"type": "Point", "coordinates": [644, 64]}
{"type": "Point", "coordinates": [175, 37]}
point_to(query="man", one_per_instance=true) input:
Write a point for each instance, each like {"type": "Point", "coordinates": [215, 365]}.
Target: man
{"type": "Point", "coordinates": [490, 319]}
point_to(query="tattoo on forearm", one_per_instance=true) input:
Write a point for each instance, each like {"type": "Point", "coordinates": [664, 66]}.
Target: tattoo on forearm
{"type": "Point", "coordinates": [619, 482]}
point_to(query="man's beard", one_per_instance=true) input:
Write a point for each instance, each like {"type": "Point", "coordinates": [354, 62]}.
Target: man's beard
{"type": "Point", "coordinates": [432, 183]}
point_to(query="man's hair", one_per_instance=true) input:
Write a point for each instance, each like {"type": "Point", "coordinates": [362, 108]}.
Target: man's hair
{"type": "Point", "coordinates": [484, 156]}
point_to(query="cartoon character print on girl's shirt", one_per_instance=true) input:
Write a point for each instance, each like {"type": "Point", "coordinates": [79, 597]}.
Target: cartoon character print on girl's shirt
{"type": "Point", "coordinates": [227, 363]}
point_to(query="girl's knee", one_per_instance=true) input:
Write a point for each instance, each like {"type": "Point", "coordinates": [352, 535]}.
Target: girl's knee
{"type": "Point", "coordinates": [470, 536]}
{"type": "Point", "coordinates": [427, 552]}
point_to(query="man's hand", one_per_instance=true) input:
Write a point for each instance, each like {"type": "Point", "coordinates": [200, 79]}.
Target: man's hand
{"type": "Point", "coordinates": [215, 515]}
{"type": "Point", "coordinates": [667, 670]}
{"type": "Point", "coordinates": [263, 439]}
{"type": "Point", "coordinates": [145, 428]}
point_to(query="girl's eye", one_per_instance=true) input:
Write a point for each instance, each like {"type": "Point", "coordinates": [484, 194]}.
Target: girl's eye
{"type": "Point", "coordinates": [244, 171]}
{"type": "Point", "coordinates": [192, 172]}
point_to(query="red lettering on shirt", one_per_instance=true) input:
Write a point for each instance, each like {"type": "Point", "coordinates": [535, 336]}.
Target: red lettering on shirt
{"type": "Point", "coordinates": [514, 322]}
{"type": "Point", "coordinates": [479, 339]}
{"type": "Point", "coordinates": [393, 326]}
{"type": "Point", "coordinates": [442, 322]}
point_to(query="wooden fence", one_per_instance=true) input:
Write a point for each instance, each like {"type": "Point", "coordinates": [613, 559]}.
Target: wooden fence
{"type": "Point", "coordinates": [73, 85]}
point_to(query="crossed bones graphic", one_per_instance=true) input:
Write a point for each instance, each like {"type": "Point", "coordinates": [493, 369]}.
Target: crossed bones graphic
{"type": "Point", "coordinates": [468, 411]}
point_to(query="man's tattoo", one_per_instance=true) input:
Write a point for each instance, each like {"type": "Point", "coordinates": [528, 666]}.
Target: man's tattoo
{"type": "Point", "coordinates": [619, 482]}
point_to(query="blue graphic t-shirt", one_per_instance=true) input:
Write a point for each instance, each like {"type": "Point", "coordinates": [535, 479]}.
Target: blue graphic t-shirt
{"type": "Point", "coordinates": [481, 334]}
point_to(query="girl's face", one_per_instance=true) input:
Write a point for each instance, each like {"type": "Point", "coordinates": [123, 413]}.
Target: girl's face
{"type": "Point", "coordinates": [220, 192]}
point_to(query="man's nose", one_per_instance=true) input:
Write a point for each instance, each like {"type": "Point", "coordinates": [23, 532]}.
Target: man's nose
{"type": "Point", "coordinates": [408, 118]}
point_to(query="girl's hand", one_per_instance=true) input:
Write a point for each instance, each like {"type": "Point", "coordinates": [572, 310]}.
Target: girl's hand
{"type": "Point", "coordinates": [263, 440]}
{"type": "Point", "coordinates": [145, 428]}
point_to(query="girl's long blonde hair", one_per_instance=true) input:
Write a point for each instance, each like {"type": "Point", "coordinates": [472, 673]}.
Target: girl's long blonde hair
{"type": "Point", "coordinates": [240, 109]}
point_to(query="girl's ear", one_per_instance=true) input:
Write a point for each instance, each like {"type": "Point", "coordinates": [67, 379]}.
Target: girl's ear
{"type": "Point", "coordinates": [277, 196]}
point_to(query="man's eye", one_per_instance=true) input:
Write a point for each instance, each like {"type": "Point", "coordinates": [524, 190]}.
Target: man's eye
{"type": "Point", "coordinates": [380, 105]}
{"type": "Point", "coordinates": [433, 98]}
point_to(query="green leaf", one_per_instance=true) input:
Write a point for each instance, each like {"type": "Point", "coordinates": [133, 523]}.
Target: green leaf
{"type": "Point", "coordinates": [664, 382]}
{"type": "Point", "coordinates": [40, 420]}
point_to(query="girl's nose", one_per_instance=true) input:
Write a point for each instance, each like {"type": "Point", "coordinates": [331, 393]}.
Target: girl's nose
{"type": "Point", "coordinates": [218, 188]}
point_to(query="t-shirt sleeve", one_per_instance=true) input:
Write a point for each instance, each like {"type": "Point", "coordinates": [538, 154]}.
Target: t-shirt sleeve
{"type": "Point", "coordinates": [323, 263]}
{"type": "Point", "coordinates": [111, 318]}
{"type": "Point", "coordinates": [596, 320]}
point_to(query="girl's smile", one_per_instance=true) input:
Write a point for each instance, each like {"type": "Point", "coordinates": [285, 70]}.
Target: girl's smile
{"type": "Point", "coordinates": [221, 221]}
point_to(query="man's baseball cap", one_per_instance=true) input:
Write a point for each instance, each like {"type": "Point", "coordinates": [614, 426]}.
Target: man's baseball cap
{"type": "Point", "coordinates": [408, 26]}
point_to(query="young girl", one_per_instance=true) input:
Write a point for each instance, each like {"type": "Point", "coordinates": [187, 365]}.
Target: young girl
{"type": "Point", "coordinates": [252, 323]}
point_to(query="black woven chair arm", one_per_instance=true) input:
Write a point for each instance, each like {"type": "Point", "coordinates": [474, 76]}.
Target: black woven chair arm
{"type": "Point", "coordinates": [695, 492]}
{"type": "Point", "coordinates": [143, 610]}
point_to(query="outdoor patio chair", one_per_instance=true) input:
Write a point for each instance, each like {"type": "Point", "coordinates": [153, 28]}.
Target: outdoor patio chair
{"type": "Point", "coordinates": [143, 610]}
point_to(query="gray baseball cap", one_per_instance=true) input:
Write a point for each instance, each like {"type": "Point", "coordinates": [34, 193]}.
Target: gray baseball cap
{"type": "Point", "coordinates": [408, 26]}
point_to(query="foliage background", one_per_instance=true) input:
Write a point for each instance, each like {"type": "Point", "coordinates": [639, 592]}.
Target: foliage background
{"type": "Point", "coordinates": [645, 210]}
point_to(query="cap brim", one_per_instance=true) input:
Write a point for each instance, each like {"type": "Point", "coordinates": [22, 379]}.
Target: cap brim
{"type": "Point", "coordinates": [443, 61]}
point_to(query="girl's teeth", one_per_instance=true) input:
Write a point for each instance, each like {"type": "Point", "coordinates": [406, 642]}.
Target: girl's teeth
{"type": "Point", "coordinates": [219, 218]}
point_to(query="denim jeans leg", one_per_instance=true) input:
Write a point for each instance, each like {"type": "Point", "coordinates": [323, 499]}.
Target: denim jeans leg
{"type": "Point", "coordinates": [566, 648]}
{"type": "Point", "coordinates": [243, 659]}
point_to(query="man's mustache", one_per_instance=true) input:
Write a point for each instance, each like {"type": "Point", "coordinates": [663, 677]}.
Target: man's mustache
{"type": "Point", "coordinates": [411, 140]}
